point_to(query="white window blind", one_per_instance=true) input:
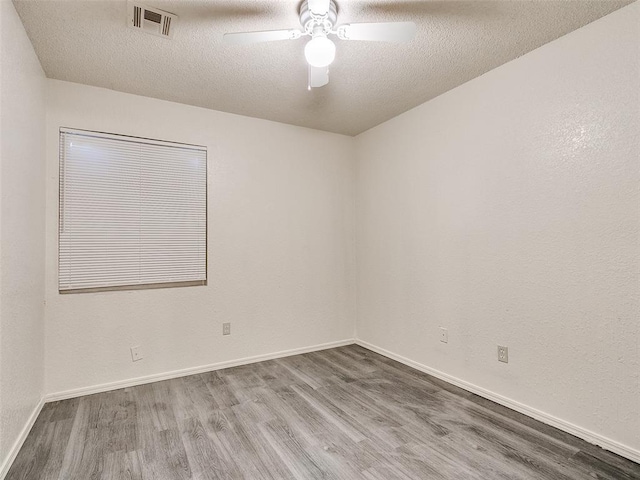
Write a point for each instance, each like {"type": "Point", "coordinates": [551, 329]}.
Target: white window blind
{"type": "Point", "coordinates": [133, 212]}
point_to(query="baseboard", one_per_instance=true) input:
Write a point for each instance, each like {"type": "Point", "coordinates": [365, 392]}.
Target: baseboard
{"type": "Point", "coordinates": [17, 445]}
{"type": "Point", "coordinates": [543, 417]}
{"type": "Point", "coordinates": [132, 382]}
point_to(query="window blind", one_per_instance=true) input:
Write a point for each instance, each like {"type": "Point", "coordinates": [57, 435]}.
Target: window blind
{"type": "Point", "coordinates": [133, 212]}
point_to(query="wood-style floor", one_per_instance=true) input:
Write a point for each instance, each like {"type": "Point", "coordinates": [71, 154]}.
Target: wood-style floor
{"type": "Point", "coordinates": [345, 413]}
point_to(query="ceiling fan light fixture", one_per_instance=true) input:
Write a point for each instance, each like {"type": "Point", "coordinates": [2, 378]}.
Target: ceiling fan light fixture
{"type": "Point", "coordinates": [318, 20]}
{"type": "Point", "coordinates": [320, 51]}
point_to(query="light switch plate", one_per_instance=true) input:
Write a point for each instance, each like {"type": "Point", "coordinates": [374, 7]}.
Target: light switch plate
{"type": "Point", "coordinates": [136, 353]}
{"type": "Point", "coordinates": [444, 335]}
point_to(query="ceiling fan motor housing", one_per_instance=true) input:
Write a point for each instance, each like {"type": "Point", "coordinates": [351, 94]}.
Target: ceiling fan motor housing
{"type": "Point", "coordinates": [311, 21]}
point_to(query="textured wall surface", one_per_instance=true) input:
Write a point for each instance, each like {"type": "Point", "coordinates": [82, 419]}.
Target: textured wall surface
{"type": "Point", "coordinates": [507, 211]}
{"type": "Point", "coordinates": [280, 246]}
{"type": "Point", "coordinates": [22, 140]}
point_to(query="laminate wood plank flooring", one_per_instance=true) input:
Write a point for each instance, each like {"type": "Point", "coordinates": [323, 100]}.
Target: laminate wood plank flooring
{"type": "Point", "coordinates": [344, 413]}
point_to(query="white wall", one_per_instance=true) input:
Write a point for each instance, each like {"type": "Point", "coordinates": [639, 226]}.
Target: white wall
{"type": "Point", "coordinates": [507, 211]}
{"type": "Point", "coordinates": [22, 114]}
{"type": "Point", "coordinates": [280, 258]}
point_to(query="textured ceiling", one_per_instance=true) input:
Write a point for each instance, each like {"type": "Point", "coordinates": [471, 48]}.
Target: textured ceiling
{"type": "Point", "coordinates": [89, 42]}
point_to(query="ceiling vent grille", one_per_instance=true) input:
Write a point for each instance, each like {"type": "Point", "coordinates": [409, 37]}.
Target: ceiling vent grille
{"type": "Point", "coordinates": [151, 20]}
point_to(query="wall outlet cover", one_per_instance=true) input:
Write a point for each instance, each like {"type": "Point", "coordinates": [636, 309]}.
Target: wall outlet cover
{"type": "Point", "coordinates": [226, 329]}
{"type": "Point", "coordinates": [503, 354]}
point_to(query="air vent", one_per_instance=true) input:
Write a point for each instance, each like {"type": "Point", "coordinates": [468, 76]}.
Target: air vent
{"type": "Point", "coordinates": [151, 20]}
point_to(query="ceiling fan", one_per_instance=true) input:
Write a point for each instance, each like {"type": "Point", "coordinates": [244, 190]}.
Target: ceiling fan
{"type": "Point", "coordinates": [318, 20]}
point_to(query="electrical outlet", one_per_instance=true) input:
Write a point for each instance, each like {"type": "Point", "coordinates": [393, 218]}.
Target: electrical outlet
{"type": "Point", "coordinates": [503, 354]}
{"type": "Point", "coordinates": [136, 353]}
{"type": "Point", "coordinates": [226, 329]}
{"type": "Point", "coordinates": [444, 335]}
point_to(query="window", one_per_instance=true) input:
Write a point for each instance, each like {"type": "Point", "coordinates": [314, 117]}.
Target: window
{"type": "Point", "coordinates": [133, 213]}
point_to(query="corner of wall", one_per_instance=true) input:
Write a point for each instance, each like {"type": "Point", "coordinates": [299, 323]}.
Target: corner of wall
{"type": "Point", "coordinates": [22, 180]}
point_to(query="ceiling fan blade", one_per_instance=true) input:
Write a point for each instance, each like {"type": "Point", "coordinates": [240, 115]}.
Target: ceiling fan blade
{"type": "Point", "coordinates": [378, 32]}
{"type": "Point", "coordinates": [318, 76]}
{"type": "Point", "coordinates": [244, 38]}
{"type": "Point", "coordinates": [319, 7]}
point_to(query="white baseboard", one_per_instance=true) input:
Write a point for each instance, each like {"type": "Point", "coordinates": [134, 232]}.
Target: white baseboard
{"type": "Point", "coordinates": [17, 445]}
{"type": "Point", "coordinates": [583, 433]}
{"type": "Point", "coordinates": [131, 382]}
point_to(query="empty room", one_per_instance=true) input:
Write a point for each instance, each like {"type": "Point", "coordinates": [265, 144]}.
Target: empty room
{"type": "Point", "coordinates": [337, 239]}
